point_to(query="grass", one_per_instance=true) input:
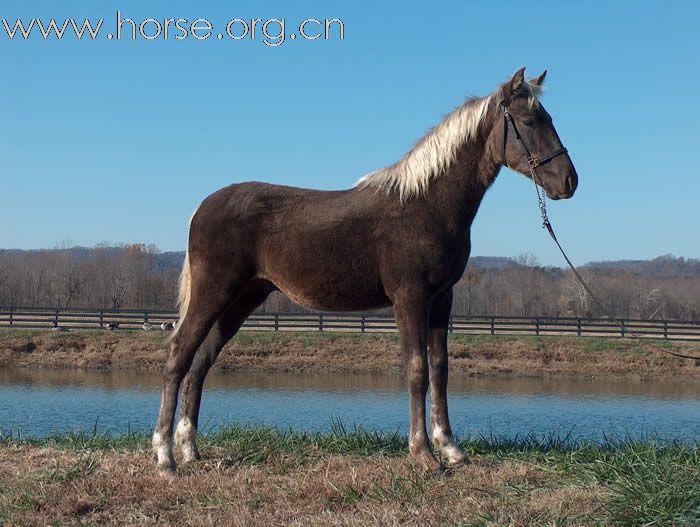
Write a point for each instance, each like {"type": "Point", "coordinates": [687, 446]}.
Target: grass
{"type": "Point", "coordinates": [344, 476]}
{"type": "Point", "coordinates": [588, 344]}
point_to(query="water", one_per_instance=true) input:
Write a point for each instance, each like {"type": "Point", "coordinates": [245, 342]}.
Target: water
{"type": "Point", "coordinates": [42, 402]}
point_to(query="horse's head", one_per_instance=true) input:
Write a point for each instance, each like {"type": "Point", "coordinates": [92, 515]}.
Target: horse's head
{"type": "Point", "coordinates": [530, 144]}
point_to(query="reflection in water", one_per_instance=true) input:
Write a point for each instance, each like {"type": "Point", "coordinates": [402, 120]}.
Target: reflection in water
{"type": "Point", "coordinates": [40, 402]}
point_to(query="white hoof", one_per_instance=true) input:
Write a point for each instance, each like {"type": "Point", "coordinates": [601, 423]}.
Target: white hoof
{"type": "Point", "coordinates": [163, 450]}
{"type": "Point", "coordinates": [448, 447]}
{"type": "Point", "coordinates": [186, 440]}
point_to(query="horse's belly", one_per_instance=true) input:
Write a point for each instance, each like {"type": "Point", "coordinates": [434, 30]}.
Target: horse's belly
{"type": "Point", "coordinates": [337, 285]}
{"type": "Point", "coordinates": [331, 293]}
{"type": "Point", "coordinates": [336, 302]}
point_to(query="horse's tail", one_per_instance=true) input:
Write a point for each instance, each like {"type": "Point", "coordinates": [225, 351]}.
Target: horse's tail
{"type": "Point", "coordinates": [183, 297]}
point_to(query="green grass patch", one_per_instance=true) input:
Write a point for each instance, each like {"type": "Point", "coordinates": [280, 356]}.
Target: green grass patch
{"type": "Point", "coordinates": [478, 340]}
{"type": "Point", "coordinates": [84, 441]}
{"type": "Point", "coordinates": [256, 445]}
{"type": "Point", "coordinates": [83, 466]}
{"type": "Point", "coordinates": [307, 339]}
{"type": "Point", "coordinates": [650, 484]}
{"type": "Point", "coordinates": [12, 334]}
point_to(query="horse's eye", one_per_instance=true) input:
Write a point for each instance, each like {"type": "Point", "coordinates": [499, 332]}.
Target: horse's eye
{"type": "Point", "coordinates": [529, 122]}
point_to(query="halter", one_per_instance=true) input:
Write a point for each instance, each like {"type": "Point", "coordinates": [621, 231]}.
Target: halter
{"type": "Point", "coordinates": [532, 161]}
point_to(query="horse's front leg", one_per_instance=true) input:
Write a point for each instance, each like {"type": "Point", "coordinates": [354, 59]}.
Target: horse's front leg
{"type": "Point", "coordinates": [440, 429]}
{"type": "Point", "coordinates": [411, 312]}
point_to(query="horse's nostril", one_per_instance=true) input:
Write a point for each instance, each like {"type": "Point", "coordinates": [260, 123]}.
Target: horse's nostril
{"type": "Point", "coordinates": [569, 183]}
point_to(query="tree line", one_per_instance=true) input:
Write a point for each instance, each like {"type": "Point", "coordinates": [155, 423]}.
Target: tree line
{"type": "Point", "coordinates": [139, 276]}
{"type": "Point", "coordinates": [127, 276]}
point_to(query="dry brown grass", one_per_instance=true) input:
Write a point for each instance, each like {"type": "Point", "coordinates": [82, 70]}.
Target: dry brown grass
{"type": "Point", "coordinates": [345, 353]}
{"type": "Point", "coordinates": [44, 486]}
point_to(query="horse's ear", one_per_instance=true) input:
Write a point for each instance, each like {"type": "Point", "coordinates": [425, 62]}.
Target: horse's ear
{"type": "Point", "coordinates": [513, 86]}
{"type": "Point", "coordinates": [537, 81]}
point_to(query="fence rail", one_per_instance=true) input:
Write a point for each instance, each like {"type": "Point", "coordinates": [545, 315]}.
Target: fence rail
{"type": "Point", "coordinates": [69, 318]}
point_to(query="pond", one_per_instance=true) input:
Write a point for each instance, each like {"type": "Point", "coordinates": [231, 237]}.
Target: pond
{"type": "Point", "coordinates": [42, 402]}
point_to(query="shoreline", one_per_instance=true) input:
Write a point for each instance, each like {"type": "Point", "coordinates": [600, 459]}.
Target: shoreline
{"type": "Point", "coordinates": [345, 353]}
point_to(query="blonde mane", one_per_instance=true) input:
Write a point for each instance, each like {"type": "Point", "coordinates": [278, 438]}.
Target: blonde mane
{"type": "Point", "coordinates": [432, 154]}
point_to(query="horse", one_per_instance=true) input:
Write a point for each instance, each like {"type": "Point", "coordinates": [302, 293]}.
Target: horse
{"type": "Point", "coordinates": [400, 237]}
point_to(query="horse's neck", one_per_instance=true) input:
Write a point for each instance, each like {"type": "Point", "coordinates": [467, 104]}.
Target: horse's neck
{"type": "Point", "coordinates": [459, 191]}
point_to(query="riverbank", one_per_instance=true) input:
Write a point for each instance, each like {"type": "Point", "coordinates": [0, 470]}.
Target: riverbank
{"type": "Point", "coordinates": [478, 355]}
{"type": "Point", "coordinates": [260, 476]}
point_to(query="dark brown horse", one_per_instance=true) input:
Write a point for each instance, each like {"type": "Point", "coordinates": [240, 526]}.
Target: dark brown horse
{"type": "Point", "coordinates": [400, 237]}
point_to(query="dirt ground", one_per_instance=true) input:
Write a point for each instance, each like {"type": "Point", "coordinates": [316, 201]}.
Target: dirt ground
{"type": "Point", "coordinates": [359, 353]}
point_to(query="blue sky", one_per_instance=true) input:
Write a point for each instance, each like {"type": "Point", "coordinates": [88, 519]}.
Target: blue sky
{"type": "Point", "coordinates": [119, 141]}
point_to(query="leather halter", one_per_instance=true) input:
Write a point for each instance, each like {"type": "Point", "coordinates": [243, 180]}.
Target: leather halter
{"type": "Point", "coordinates": [532, 160]}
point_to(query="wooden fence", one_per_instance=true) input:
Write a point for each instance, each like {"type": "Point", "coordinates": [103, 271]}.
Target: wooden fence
{"type": "Point", "coordinates": [69, 318]}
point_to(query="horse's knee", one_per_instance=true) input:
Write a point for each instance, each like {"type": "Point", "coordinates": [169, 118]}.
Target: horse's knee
{"type": "Point", "coordinates": [417, 372]}
{"type": "Point", "coordinates": [178, 362]}
{"type": "Point", "coordinates": [437, 359]}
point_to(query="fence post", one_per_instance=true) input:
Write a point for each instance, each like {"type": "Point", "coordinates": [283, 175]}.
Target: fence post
{"type": "Point", "coordinates": [578, 327]}
{"type": "Point", "coordinates": [493, 325]}
{"type": "Point", "coordinates": [101, 318]}
{"type": "Point", "coordinates": [362, 324]}
{"type": "Point", "coordinates": [10, 315]}
{"type": "Point", "coordinates": [55, 318]}
{"type": "Point", "coordinates": [537, 326]}
{"type": "Point", "coordinates": [277, 321]}
{"type": "Point", "coordinates": [622, 328]}
{"type": "Point", "coordinates": [320, 322]}
{"type": "Point", "coordinates": [145, 317]}
{"type": "Point", "coordinates": [666, 329]}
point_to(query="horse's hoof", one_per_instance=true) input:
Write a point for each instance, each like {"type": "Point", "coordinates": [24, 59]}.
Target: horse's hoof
{"type": "Point", "coordinates": [190, 456]}
{"type": "Point", "coordinates": [458, 461]}
{"type": "Point", "coordinates": [166, 470]}
{"type": "Point", "coordinates": [166, 465]}
{"type": "Point", "coordinates": [454, 456]}
{"type": "Point", "coordinates": [427, 462]}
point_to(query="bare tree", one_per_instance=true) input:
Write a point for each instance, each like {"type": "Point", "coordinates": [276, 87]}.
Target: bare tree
{"type": "Point", "coordinates": [575, 297]}
{"type": "Point", "coordinates": [648, 302]}
{"type": "Point", "coordinates": [68, 275]}
{"type": "Point", "coordinates": [463, 292]}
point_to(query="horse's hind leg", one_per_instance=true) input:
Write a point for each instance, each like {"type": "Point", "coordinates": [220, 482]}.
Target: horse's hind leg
{"type": "Point", "coordinates": [208, 300]}
{"type": "Point", "coordinates": [440, 430]}
{"type": "Point", "coordinates": [227, 325]}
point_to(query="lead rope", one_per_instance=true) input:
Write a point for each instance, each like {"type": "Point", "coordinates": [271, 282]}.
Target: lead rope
{"type": "Point", "coordinates": [546, 224]}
